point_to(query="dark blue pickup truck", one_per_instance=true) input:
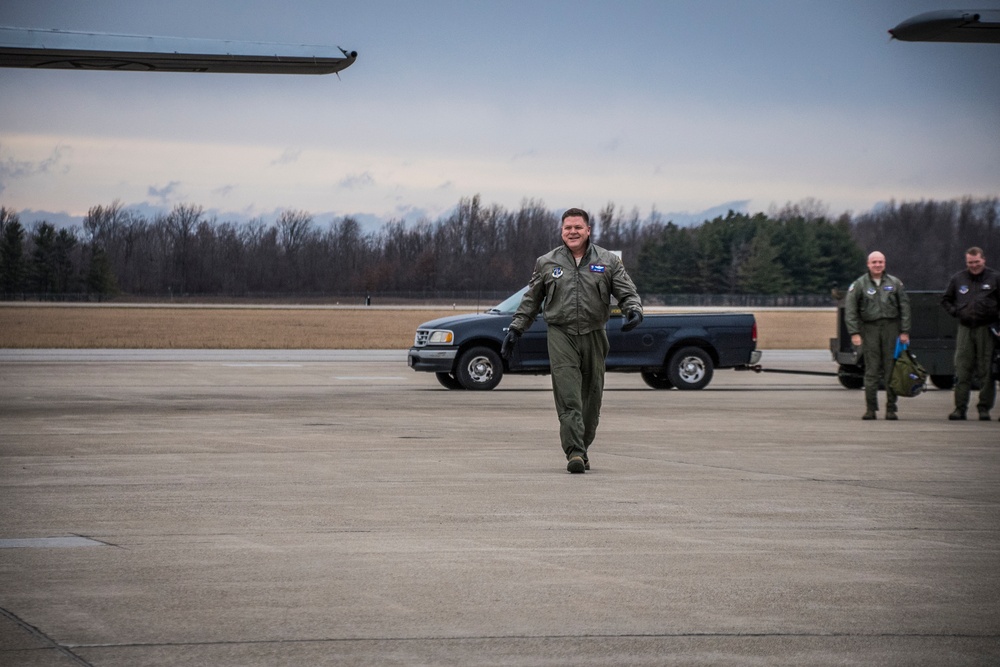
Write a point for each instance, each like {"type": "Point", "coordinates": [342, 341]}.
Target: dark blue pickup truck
{"type": "Point", "coordinates": [668, 350]}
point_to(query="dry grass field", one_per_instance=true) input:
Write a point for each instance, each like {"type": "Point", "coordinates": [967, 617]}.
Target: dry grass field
{"type": "Point", "coordinates": [136, 327]}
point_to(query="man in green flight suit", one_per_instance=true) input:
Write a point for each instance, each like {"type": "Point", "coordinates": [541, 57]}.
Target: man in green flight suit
{"type": "Point", "coordinates": [575, 283]}
{"type": "Point", "coordinates": [877, 312]}
{"type": "Point", "coordinates": [973, 298]}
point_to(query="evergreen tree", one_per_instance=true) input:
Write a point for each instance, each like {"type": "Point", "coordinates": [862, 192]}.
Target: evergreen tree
{"type": "Point", "coordinates": [66, 273]}
{"type": "Point", "coordinates": [761, 272]}
{"type": "Point", "coordinates": [841, 259]}
{"type": "Point", "coordinates": [43, 260]}
{"type": "Point", "coordinates": [798, 253]}
{"type": "Point", "coordinates": [100, 278]}
{"type": "Point", "coordinates": [13, 268]}
{"type": "Point", "coordinates": [668, 263]}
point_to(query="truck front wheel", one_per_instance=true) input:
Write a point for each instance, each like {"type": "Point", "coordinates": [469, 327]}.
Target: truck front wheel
{"type": "Point", "coordinates": [690, 368]}
{"type": "Point", "coordinates": [479, 368]}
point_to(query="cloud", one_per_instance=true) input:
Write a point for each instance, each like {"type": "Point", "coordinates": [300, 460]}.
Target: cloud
{"type": "Point", "coordinates": [289, 156]}
{"type": "Point", "coordinates": [412, 214]}
{"type": "Point", "coordinates": [166, 193]}
{"type": "Point", "coordinates": [355, 181]}
{"type": "Point", "coordinates": [687, 219]}
{"type": "Point", "coordinates": [611, 145]}
{"type": "Point", "coordinates": [224, 191]}
{"type": "Point", "coordinates": [11, 168]}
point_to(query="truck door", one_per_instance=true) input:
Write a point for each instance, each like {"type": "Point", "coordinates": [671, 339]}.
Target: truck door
{"type": "Point", "coordinates": [636, 348]}
{"type": "Point", "coordinates": [533, 350]}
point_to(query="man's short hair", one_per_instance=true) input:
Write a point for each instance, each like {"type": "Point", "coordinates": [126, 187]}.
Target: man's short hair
{"type": "Point", "coordinates": [975, 250]}
{"type": "Point", "coordinates": [576, 213]}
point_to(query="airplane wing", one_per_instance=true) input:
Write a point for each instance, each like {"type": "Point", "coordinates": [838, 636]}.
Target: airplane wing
{"type": "Point", "coordinates": [63, 49]}
{"type": "Point", "coordinates": [959, 25]}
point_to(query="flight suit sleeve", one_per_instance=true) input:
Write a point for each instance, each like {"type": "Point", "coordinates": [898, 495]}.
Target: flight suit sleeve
{"type": "Point", "coordinates": [852, 320]}
{"type": "Point", "coordinates": [905, 321]}
{"type": "Point", "coordinates": [948, 299]}
{"type": "Point", "coordinates": [995, 296]}
{"type": "Point", "coordinates": [624, 289]}
{"type": "Point", "coordinates": [531, 302]}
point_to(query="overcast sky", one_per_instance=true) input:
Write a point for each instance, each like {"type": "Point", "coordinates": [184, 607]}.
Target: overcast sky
{"type": "Point", "coordinates": [677, 105]}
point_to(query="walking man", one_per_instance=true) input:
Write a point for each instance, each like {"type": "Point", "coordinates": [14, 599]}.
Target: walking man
{"type": "Point", "coordinates": [575, 283]}
{"type": "Point", "coordinates": [973, 297]}
{"type": "Point", "coordinates": [877, 312]}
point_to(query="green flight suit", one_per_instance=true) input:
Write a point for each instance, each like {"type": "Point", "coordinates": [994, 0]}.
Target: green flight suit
{"type": "Point", "coordinates": [973, 357]}
{"type": "Point", "coordinates": [880, 312]}
{"type": "Point", "coordinates": [974, 300]}
{"type": "Point", "coordinates": [577, 303]}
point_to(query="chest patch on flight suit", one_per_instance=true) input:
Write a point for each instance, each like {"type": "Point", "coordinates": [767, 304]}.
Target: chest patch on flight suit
{"type": "Point", "coordinates": [964, 289]}
{"type": "Point", "coordinates": [597, 268]}
{"type": "Point", "coordinates": [557, 272]}
{"type": "Point", "coordinates": [986, 286]}
{"type": "Point", "coordinates": [871, 291]}
{"type": "Point", "coordinates": [888, 288]}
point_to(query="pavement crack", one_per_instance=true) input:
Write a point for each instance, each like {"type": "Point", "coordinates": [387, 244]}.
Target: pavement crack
{"type": "Point", "coordinates": [529, 637]}
{"type": "Point", "coordinates": [42, 637]}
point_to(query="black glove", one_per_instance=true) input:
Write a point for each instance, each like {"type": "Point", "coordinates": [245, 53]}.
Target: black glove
{"type": "Point", "coordinates": [509, 341]}
{"type": "Point", "coordinates": [632, 319]}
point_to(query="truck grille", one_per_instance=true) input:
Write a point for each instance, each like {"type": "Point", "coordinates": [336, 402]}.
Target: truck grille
{"type": "Point", "coordinates": [420, 340]}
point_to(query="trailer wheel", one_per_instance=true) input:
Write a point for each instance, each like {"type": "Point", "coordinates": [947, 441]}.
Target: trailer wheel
{"type": "Point", "coordinates": [657, 379]}
{"type": "Point", "coordinates": [943, 381]}
{"type": "Point", "coordinates": [479, 368]}
{"type": "Point", "coordinates": [690, 368]}
{"type": "Point", "coordinates": [851, 377]}
{"type": "Point", "coordinates": [448, 381]}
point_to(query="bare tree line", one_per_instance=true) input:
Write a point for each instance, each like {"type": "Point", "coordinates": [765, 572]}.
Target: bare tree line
{"type": "Point", "coordinates": [925, 242]}
{"type": "Point", "coordinates": [479, 249]}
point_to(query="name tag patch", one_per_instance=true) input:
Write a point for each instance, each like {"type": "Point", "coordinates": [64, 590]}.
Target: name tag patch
{"type": "Point", "coordinates": [888, 288]}
{"type": "Point", "coordinates": [597, 268]}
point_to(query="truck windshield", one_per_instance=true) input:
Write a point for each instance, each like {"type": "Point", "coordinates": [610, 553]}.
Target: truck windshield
{"type": "Point", "coordinates": [510, 304]}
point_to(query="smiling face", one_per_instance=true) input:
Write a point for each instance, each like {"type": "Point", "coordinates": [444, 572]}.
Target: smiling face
{"type": "Point", "coordinates": [975, 264]}
{"type": "Point", "coordinates": [876, 264]}
{"type": "Point", "coordinates": [575, 232]}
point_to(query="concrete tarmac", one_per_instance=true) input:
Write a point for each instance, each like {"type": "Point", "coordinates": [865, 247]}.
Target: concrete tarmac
{"type": "Point", "coordinates": [325, 508]}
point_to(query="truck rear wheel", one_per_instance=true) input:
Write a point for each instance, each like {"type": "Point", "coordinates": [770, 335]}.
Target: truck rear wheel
{"type": "Point", "coordinates": [479, 368]}
{"type": "Point", "coordinates": [657, 379]}
{"type": "Point", "coordinates": [690, 368]}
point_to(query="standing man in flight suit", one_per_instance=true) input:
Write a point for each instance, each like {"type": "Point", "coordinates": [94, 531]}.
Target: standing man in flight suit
{"type": "Point", "coordinates": [575, 283]}
{"type": "Point", "coordinates": [973, 297]}
{"type": "Point", "coordinates": [876, 313]}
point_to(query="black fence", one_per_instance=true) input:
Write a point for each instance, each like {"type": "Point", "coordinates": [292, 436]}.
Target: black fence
{"type": "Point", "coordinates": [483, 299]}
{"type": "Point", "coordinates": [741, 300]}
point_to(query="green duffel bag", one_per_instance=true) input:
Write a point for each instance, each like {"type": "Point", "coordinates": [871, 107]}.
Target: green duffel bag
{"type": "Point", "coordinates": [908, 377]}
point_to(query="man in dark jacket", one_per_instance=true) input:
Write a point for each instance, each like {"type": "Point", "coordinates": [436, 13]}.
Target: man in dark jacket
{"type": "Point", "coordinates": [575, 283]}
{"type": "Point", "coordinates": [877, 313]}
{"type": "Point", "coordinates": [973, 298]}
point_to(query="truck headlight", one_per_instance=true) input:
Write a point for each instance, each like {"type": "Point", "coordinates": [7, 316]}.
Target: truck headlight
{"type": "Point", "coordinates": [440, 337]}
